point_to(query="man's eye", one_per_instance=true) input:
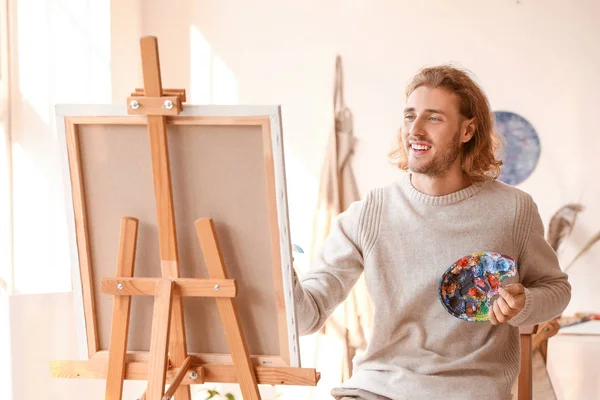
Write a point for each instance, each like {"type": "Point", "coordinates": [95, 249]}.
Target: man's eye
{"type": "Point", "coordinates": [409, 117]}
{"type": "Point", "coordinates": [434, 119]}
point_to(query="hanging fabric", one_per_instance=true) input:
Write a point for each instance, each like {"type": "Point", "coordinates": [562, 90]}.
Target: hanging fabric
{"type": "Point", "coordinates": [337, 191]}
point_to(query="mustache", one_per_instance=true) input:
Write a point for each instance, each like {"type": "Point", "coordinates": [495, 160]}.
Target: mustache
{"type": "Point", "coordinates": [415, 139]}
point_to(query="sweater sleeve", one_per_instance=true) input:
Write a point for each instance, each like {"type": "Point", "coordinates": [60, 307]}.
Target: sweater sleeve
{"type": "Point", "coordinates": [547, 289]}
{"type": "Point", "coordinates": [335, 270]}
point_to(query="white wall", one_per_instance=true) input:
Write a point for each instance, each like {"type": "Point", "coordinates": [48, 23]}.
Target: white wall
{"type": "Point", "coordinates": [533, 57]}
{"type": "Point", "coordinates": [537, 58]}
{"type": "Point", "coordinates": [571, 366]}
{"type": "Point", "coordinates": [125, 66]}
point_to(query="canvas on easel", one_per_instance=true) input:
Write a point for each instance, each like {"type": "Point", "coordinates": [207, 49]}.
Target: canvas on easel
{"type": "Point", "coordinates": [188, 224]}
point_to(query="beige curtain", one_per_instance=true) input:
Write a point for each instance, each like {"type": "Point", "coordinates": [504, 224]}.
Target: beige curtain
{"type": "Point", "coordinates": [337, 190]}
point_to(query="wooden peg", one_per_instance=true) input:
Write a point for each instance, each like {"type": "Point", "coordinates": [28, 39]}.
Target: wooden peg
{"type": "Point", "coordinates": [139, 92]}
{"type": "Point", "coordinates": [166, 105]}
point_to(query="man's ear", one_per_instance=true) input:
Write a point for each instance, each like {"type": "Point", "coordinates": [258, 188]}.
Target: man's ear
{"type": "Point", "coordinates": [468, 130]}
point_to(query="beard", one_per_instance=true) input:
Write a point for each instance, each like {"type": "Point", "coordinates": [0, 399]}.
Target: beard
{"type": "Point", "coordinates": [440, 164]}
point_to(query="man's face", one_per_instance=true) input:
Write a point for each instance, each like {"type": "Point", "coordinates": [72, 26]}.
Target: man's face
{"type": "Point", "coordinates": [433, 131]}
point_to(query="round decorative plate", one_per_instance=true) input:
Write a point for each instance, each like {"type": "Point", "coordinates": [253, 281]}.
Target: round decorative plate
{"type": "Point", "coordinates": [522, 149]}
{"type": "Point", "coordinates": [468, 286]}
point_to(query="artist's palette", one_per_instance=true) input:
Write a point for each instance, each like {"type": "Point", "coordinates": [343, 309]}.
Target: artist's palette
{"type": "Point", "coordinates": [468, 286]}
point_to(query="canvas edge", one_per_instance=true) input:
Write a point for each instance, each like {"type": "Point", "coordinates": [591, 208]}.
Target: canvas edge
{"type": "Point", "coordinates": [76, 286]}
{"type": "Point", "coordinates": [285, 237]}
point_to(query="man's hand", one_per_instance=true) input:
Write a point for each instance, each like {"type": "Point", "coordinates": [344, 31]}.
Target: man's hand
{"type": "Point", "coordinates": [509, 304]}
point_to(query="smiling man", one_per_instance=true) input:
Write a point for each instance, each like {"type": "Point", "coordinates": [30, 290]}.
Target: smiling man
{"type": "Point", "coordinates": [404, 236]}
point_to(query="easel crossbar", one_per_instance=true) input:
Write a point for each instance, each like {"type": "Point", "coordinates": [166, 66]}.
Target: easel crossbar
{"type": "Point", "coordinates": [186, 287]}
{"type": "Point", "coordinates": [217, 373]}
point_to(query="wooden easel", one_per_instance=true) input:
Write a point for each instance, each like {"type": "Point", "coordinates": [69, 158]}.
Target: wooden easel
{"type": "Point", "coordinates": [168, 359]}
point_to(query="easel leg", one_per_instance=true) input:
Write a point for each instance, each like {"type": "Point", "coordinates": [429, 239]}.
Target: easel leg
{"type": "Point", "coordinates": [177, 345]}
{"type": "Point", "coordinates": [121, 309]}
{"type": "Point", "coordinates": [525, 387]}
{"type": "Point", "coordinates": [176, 381]}
{"type": "Point", "coordinates": [161, 320]}
{"type": "Point", "coordinates": [161, 172]}
{"type": "Point", "coordinates": [229, 317]}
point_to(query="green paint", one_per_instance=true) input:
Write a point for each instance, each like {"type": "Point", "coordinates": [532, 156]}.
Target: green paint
{"type": "Point", "coordinates": [484, 308]}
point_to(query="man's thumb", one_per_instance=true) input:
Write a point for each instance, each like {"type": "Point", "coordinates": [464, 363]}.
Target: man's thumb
{"type": "Point", "coordinates": [515, 288]}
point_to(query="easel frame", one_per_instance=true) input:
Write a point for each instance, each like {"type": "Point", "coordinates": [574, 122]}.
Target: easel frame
{"type": "Point", "coordinates": [268, 118]}
{"type": "Point", "coordinates": [168, 361]}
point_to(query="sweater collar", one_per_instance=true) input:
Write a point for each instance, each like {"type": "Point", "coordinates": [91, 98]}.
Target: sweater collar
{"type": "Point", "coordinates": [447, 199]}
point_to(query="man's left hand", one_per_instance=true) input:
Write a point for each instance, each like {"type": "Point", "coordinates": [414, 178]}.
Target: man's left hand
{"type": "Point", "coordinates": [509, 304]}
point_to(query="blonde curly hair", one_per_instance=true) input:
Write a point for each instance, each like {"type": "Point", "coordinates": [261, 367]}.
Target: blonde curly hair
{"type": "Point", "coordinates": [478, 157]}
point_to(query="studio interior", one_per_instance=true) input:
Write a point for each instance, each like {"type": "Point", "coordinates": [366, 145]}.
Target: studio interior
{"type": "Point", "coordinates": [299, 200]}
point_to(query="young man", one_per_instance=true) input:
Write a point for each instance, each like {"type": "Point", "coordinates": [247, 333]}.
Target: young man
{"type": "Point", "coordinates": [404, 236]}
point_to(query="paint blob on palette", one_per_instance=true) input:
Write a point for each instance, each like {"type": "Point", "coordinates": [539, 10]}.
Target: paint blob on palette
{"type": "Point", "coordinates": [468, 286]}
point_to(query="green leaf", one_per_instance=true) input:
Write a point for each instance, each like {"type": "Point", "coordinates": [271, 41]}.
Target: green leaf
{"type": "Point", "coordinates": [211, 393]}
{"type": "Point", "coordinates": [229, 396]}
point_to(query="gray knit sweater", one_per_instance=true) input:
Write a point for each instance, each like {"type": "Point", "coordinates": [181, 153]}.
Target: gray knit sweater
{"type": "Point", "coordinates": [404, 241]}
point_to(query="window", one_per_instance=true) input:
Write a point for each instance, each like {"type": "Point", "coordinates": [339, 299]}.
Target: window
{"type": "Point", "coordinates": [6, 249]}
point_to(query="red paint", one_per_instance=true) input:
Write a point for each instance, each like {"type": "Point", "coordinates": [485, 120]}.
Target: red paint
{"type": "Point", "coordinates": [493, 280]}
{"type": "Point", "coordinates": [463, 262]}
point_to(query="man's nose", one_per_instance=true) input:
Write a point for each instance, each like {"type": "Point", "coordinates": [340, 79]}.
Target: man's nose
{"type": "Point", "coordinates": [417, 128]}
